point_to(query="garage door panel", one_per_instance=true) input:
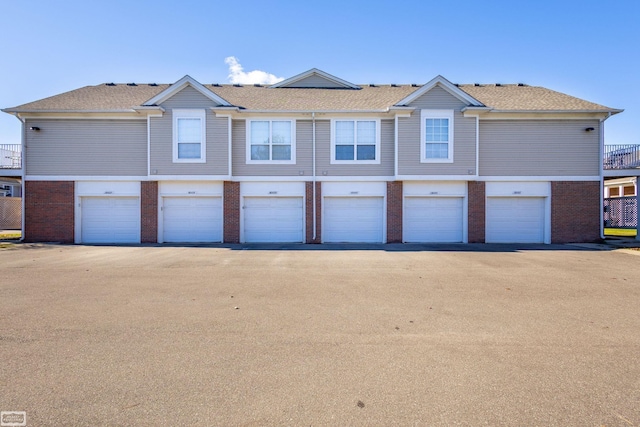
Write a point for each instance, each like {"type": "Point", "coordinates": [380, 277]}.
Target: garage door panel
{"type": "Point", "coordinates": [110, 220]}
{"type": "Point", "coordinates": [273, 219]}
{"type": "Point", "coordinates": [515, 219]}
{"type": "Point", "coordinates": [433, 219]}
{"type": "Point", "coordinates": [192, 219]}
{"type": "Point", "coordinates": [353, 219]}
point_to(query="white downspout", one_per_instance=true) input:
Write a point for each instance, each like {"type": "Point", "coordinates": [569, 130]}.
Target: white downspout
{"type": "Point", "coordinates": [601, 157]}
{"type": "Point", "coordinates": [313, 161]}
{"type": "Point", "coordinates": [229, 132]}
{"type": "Point", "coordinates": [23, 139]}
{"type": "Point", "coordinates": [395, 143]}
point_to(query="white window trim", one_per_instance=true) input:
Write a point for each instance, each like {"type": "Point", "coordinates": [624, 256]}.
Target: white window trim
{"type": "Point", "coordinates": [435, 114]}
{"type": "Point", "coordinates": [354, 161]}
{"type": "Point", "coordinates": [190, 113]}
{"type": "Point", "coordinates": [270, 162]}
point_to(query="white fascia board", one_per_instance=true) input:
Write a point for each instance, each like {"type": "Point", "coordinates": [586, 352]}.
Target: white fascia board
{"type": "Point", "coordinates": [318, 72]}
{"type": "Point", "coordinates": [446, 85]}
{"type": "Point", "coordinates": [79, 115]}
{"type": "Point", "coordinates": [319, 178]}
{"type": "Point", "coordinates": [539, 178]}
{"type": "Point", "coordinates": [83, 178]}
{"type": "Point", "coordinates": [436, 178]}
{"type": "Point", "coordinates": [543, 114]}
{"type": "Point", "coordinates": [181, 84]}
{"type": "Point", "coordinates": [620, 181]}
{"type": "Point", "coordinates": [128, 178]}
{"type": "Point", "coordinates": [188, 178]}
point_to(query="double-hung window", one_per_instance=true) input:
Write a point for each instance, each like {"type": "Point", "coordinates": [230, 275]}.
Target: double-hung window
{"type": "Point", "coordinates": [189, 136]}
{"type": "Point", "coordinates": [355, 141]}
{"type": "Point", "coordinates": [436, 136]}
{"type": "Point", "coordinates": [271, 141]}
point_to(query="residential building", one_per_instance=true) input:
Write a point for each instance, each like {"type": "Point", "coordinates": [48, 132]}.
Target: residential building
{"type": "Point", "coordinates": [312, 159]}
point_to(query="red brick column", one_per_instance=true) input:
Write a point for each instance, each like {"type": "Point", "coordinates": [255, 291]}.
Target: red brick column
{"type": "Point", "coordinates": [394, 212]}
{"type": "Point", "coordinates": [476, 214]}
{"type": "Point", "coordinates": [49, 211]}
{"type": "Point", "coordinates": [149, 212]}
{"type": "Point", "coordinates": [575, 211]}
{"type": "Point", "coordinates": [231, 212]}
{"type": "Point", "coordinates": [309, 212]}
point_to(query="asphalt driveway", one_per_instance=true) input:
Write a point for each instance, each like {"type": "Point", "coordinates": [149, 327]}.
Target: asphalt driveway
{"type": "Point", "coordinates": [466, 335]}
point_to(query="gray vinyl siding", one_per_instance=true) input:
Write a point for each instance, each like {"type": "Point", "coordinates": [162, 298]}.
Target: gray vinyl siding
{"type": "Point", "coordinates": [315, 81]}
{"type": "Point", "coordinates": [217, 138]}
{"type": "Point", "coordinates": [539, 148]}
{"type": "Point", "coordinates": [86, 147]}
{"type": "Point", "coordinates": [323, 156]}
{"type": "Point", "coordinates": [302, 167]}
{"type": "Point", "coordinates": [464, 133]}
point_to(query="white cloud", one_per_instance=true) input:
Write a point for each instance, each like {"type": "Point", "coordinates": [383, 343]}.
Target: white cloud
{"type": "Point", "coordinates": [238, 76]}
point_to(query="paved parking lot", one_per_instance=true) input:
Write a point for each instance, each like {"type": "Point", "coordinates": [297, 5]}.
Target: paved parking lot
{"type": "Point", "coordinates": [466, 335]}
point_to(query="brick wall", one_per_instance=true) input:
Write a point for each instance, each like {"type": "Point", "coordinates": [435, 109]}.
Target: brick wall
{"type": "Point", "coordinates": [149, 212]}
{"type": "Point", "coordinates": [49, 211]}
{"type": "Point", "coordinates": [231, 222]}
{"type": "Point", "coordinates": [394, 212]}
{"type": "Point", "coordinates": [476, 212]}
{"type": "Point", "coordinates": [309, 212]}
{"type": "Point", "coordinates": [575, 211]}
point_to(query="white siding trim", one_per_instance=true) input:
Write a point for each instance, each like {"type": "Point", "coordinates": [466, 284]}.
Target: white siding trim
{"type": "Point", "coordinates": [188, 178]}
{"type": "Point", "coordinates": [319, 178]}
{"type": "Point", "coordinates": [434, 178]}
{"type": "Point", "coordinates": [83, 178]}
{"type": "Point", "coordinates": [539, 178]}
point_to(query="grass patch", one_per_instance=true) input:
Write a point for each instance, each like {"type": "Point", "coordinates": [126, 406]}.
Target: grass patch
{"type": "Point", "coordinates": [621, 232]}
{"type": "Point", "coordinates": [10, 236]}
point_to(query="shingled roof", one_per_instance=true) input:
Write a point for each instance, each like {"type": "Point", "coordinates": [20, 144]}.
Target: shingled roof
{"type": "Point", "coordinates": [125, 97]}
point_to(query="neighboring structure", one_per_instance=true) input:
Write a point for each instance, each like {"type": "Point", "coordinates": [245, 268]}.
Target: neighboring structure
{"type": "Point", "coordinates": [621, 203]}
{"type": "Point", "coordinates": [621, 187]}
{"type": "Point", "coordinates": [10, 186]}
{"type": "Point", "coordinates": [312, 159]}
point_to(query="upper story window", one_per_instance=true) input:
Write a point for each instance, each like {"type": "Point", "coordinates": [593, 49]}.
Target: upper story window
{"type": "Point", "coordinates": [436, 136]}
{"type": "Point", "coordinates": [271, 141]}
{"type": "Point", "coordinates": [355, 141]}
{"type": "Point", "coordinates": [189, 136]}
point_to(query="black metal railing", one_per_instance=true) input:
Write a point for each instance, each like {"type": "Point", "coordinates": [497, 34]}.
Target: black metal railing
{"type": "Point", "coordinates": [10, 156]}
{"type": "Point", "coordinates": [621, 156]}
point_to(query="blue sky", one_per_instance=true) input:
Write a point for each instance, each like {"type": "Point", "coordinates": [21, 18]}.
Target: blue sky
{"type": "Point", "coordinates": [585, 48]}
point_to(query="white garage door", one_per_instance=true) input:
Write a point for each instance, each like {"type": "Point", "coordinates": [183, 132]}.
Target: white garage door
{"type": "Point", "coordinates": [515, 220]}
{"type": "Point", "coordinates": [273, 219]}
{"type": "Point", "coordinates": [192, 219]}
{"type": "Point", "coordinates": [353, 219]}
{"type": "Point", "coordinates": [433, 219]}
{"type": "Point", "coordinates": [110, 220]}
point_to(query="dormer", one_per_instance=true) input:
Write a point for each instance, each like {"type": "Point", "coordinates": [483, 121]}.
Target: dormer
{"type": "Point", "coordinates": [181, 84]}
{"type": "Point", "coordinates": [315, 79]}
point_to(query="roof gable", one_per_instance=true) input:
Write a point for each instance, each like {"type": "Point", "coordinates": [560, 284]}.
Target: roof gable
{"type": "Point", "coordinates": [446, 85]}
{"type": "Point", "coordinates": [181, 84]}
{"type": "Point", "coordinates": [315, 78]}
